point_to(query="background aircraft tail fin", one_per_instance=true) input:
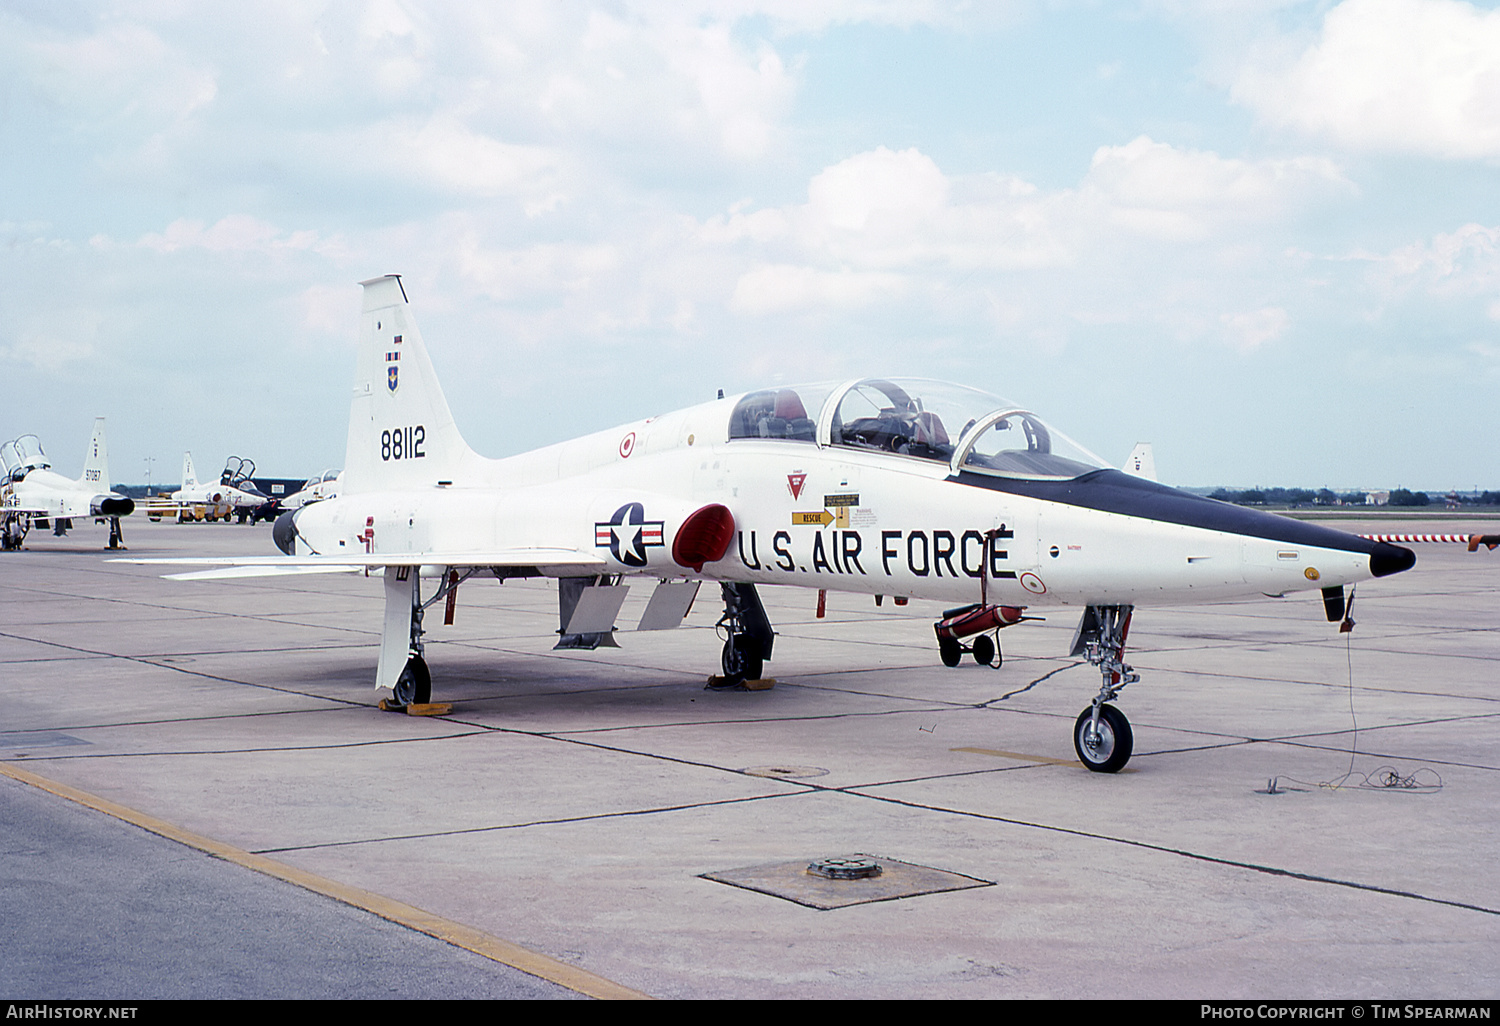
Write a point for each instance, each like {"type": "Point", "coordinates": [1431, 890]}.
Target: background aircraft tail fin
{"type": "Point", "coordinates": [1141, 462]}
{"type": "Point", "coordinates": [189, 475]}
{"type": "Point", "coordinates": [96, 459]}
{"type": "Point", "coordinates": [401, 433]}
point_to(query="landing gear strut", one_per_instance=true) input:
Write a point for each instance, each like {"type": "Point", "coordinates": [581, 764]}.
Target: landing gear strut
{"type": "Point", "coordinates": [401, 638]}
{"type": "Point", "coordinates": [1102, 735]}
{"type": "Point", "coordinates": [749, 635]}
{"type": "Point", "coordinates": [116, 536]}
{"type": "Point", "coordinates": [13, 530]}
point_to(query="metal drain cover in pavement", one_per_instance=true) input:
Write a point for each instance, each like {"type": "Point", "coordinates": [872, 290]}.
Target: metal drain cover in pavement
{"type": "Point", "coordinates": [797, 881]}
{"type": "Point", "coordinates": [859, 867]}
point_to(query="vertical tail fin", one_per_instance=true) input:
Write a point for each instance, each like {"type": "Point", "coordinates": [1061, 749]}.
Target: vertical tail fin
{"type": "Point", "coordinates": [96, 459]}
{"type": "Point", "coordinates": [1141, 462]}
{"type": "Point", "coordinates": [401, 433]}
{"type": "Point", "coordinates": [189, 475]}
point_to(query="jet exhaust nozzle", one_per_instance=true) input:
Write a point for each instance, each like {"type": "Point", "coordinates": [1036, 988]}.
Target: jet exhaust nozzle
{"type": "Point", "coordinates": [284, 532]}
{"type": "Point", "coordinates": [112, 506]}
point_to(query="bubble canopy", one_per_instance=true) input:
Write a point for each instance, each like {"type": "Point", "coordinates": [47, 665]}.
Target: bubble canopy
{"type": "Point", "coordinates": [935, 421]}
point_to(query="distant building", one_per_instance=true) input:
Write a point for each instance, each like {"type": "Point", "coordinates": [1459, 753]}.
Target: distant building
{"type": "Point", "coordinates": [1377, 498]}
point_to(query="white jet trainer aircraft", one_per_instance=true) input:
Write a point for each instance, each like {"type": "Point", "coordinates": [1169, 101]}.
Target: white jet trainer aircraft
{"type": "Point", "coordinates": [222, 493]}
{"type": "Point", "coordinates": [32, 493]}
{"type": "Point", "coordinates": [900, 488]}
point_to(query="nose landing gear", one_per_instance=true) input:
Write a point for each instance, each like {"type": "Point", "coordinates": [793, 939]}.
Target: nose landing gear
{"type": "Point", "coordinates": [1102, 736]}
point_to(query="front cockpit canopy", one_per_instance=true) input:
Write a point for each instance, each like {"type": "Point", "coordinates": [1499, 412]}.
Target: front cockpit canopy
{"type": "Point", "coordinates": [22, 456]}
{"type": "Point", "coordinates": [966, 428]}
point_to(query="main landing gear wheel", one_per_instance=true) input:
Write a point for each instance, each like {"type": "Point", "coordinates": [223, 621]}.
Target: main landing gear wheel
{"type": "Point", "coordinates": [1108, 750]}
{"type": "Point", "coordinates": [414, 686]}
{"type": "Point", "coordinates": [738, 663]}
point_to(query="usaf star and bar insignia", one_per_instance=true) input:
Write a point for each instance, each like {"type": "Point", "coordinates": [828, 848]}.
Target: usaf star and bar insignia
{"type": "Point", "coordinates": [628, 534]}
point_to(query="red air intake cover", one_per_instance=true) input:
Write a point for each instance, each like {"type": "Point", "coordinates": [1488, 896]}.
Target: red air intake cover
{"type": "Point", "coordinates": [703, 537]}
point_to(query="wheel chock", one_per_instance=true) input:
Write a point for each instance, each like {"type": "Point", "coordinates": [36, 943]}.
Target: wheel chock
{"type": "Point", "coordinates": [417, 708]}
{"type": "Point", "coordinates": [717, 683]}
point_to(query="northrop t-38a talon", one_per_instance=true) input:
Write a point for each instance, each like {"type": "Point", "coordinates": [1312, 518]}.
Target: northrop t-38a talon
{"type": "Point", "coordinates": [31, 492]}
{"type": "Point", "coordinates": [232, 493]}
{"type": "Point", "coordinates": [882, 486]}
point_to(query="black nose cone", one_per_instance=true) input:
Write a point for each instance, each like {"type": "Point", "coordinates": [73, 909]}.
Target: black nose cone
{"type": "Point", "coordinates": [284, 533]}
{"type": "Point", "coordinates": [1387, 559]}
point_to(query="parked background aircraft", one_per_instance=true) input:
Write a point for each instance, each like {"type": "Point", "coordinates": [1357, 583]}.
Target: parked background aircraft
{"type": "Point", "coordinates": [233, 495]}
{"type": "Point", "coordinates": [323, 486]}
{"type": "Point", "coordinates": [902, 488]}
{"type": "Point", "coordinates": [33, 494]}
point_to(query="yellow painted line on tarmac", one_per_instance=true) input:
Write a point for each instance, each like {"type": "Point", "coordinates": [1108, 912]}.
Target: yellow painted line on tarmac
{"type": "Point", "coordinates": [1019, 756]}
{"type": "Point", "coordinates": [457, 934]}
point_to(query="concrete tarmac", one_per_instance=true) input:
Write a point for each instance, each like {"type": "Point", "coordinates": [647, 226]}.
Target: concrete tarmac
{"type": "Point", "coordinates": [585, 808]}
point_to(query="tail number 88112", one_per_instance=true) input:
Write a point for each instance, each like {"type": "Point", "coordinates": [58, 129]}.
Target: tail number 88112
{"type": "Point", "coordinates": [403, 443]}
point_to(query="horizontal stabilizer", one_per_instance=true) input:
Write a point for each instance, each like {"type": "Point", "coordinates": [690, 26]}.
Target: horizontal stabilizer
{"type": "Point", "coordinates": [543, 559]}
{"type": "Point", "coordinates": [230, 573]}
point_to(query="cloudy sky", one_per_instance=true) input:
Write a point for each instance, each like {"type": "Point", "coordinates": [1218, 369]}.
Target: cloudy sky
{"type": "Point", "coordinates": [1264, 236]}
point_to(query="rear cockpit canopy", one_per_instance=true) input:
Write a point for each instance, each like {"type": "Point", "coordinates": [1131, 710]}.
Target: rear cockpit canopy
{"type": "Point", "coordinates": [933, 421]}
{"type": "Point", "coordinates": [317, 479]}
{"type": "Point", "coordinates": [23, 455]}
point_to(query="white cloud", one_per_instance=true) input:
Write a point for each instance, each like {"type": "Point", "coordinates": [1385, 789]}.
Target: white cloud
{"type": "Point", "coordinates": [1411, 76]}
{"type": "Point", "coordinates": [1465, 262]}
{"type": "Point", "coordinates": [781, 288]}
{"type": "Point", "coordinates": [1164, 192]}
{"type": "Point", "coordinates": [236, 233]}
{"type": "Point", "coordinates": [125, 68]}
{"type": "Point", "coordinates": [1250, 330]}
{"type": "Point", "coordinates": [900, 190]}
{"type": "Point", "coordinates": [55, 341]}
{"type": "Point", "coordinates": [884, 218]}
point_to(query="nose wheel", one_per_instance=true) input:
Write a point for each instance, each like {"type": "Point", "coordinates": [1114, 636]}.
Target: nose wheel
{"type": "Point", "coordinates": [1103, 745]}
{"type": "Point", "coordinates": [1102, 735]}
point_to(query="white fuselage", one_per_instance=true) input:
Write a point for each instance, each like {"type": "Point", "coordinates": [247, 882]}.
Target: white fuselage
{"type": "Point", "coordinates": [827, 516]}
{"type": "Point", "coordinates": [218, 495]}
{"type": "Point", "coordinates": [44, 493]}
